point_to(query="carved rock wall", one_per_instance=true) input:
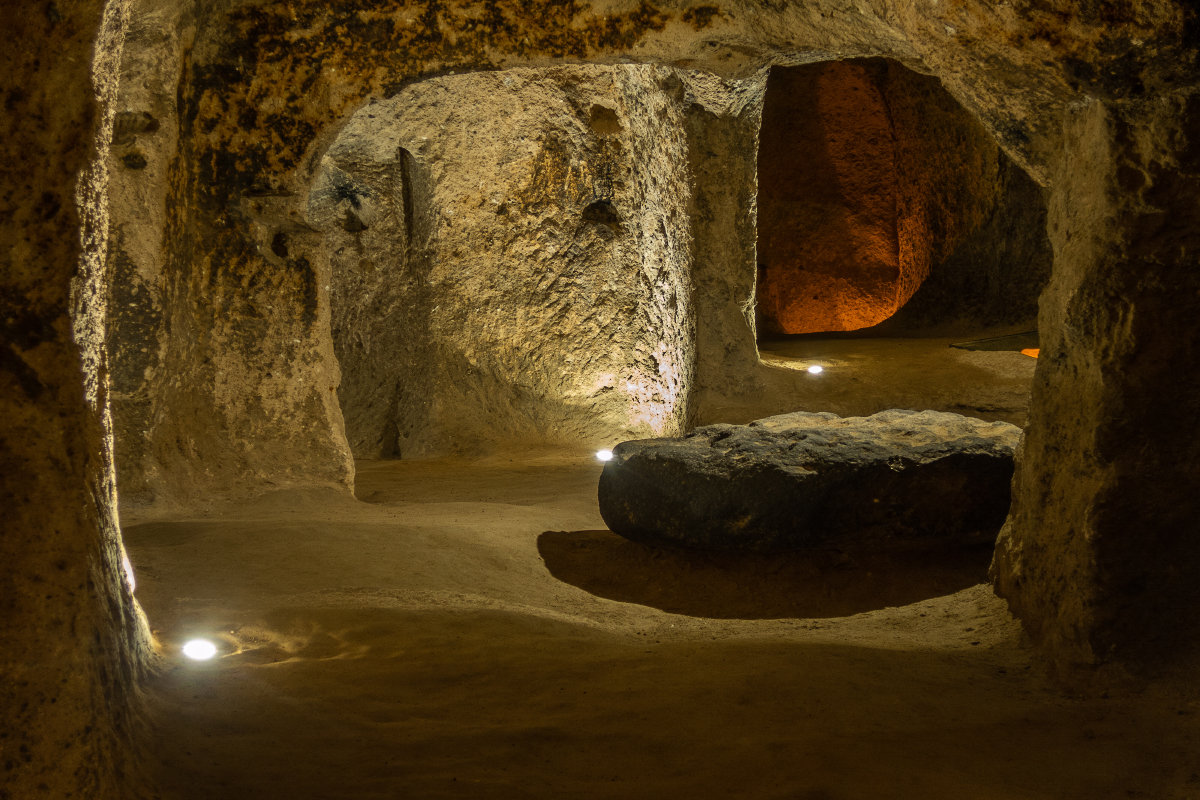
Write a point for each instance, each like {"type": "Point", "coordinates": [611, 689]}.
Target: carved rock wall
{"type": "Point", "coordinates": [723, 121]}
{"type": "Point", "coordinates": [510, 258]}
{"type": "Point", "coordinates": [1098, 557]}
{"type": "Point", "coordinates": [72, 642]}
{"type": "Point", "coordinates": [1095, 100]}
{"type": "Point", "coordinates": [145, 141]}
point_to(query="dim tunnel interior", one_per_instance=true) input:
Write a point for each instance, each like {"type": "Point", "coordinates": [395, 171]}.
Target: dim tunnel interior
{"type": "Point", "coordinates": [886, 209]}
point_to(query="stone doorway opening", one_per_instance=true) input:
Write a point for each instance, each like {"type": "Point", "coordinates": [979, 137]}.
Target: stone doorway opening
{"type": "Point", "coordinates": [890, 226]}
{"type": "Point", "coordinates": [885, 207]}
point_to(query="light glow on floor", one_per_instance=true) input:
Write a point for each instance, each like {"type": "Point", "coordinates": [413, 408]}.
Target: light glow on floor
{"type": "Point", "coordinates": [199, 649]}
{"type": "Point", "coordinates": [604, 455]}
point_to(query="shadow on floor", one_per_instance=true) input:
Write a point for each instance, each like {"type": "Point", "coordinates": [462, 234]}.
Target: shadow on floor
{"type": "Point", "coordinates": [729, 586]}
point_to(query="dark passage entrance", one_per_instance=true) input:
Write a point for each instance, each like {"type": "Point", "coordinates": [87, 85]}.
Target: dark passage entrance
{"type": "Point", "coordinates": [878, 192]}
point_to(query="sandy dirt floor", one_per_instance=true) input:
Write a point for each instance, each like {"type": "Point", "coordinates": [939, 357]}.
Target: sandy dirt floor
{"type": "Point", "coordinates": [863, 375]}
{"type": "Point", "coordinates": [468, 629]}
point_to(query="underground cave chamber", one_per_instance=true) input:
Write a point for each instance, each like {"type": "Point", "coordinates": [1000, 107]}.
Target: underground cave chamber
{"type": "Point", "coordinates": [224, 380]}
{"type": "Point", "coordinates": [546, 257]}
{"type": "Point", "coordinates": [478, 299]}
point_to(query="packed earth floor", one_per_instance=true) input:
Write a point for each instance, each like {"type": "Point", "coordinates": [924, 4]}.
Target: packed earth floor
{"type": "Point", "coordinates": [468, 629]}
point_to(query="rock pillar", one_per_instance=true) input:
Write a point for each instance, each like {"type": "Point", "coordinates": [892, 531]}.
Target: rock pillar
{"type": "Point", "coordinates": [71, 640]}
{"type": "Point", "coordinates": [1100, 557]}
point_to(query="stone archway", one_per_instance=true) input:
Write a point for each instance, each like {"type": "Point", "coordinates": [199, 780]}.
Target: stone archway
{"type": "Point", "coordinates": [873, 181]}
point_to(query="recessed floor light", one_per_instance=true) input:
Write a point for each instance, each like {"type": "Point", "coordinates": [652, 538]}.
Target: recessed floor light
{"type": "Point", "coordinates": [199, 649]}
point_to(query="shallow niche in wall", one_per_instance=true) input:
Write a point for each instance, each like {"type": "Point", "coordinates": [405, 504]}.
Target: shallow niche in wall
{"type": "Point", "coordinates": [885, 208]}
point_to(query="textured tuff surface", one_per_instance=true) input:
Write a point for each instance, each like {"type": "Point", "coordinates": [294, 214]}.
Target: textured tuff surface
{"type": "Point", "coordinates": [1099, 557]}
{"type": "Point", "coordinates": [510, 260]}
{"type": "Point", "coordinates": [230, 380]}
{"type": "Point", "coordinates": [806, 480]}
{"type": "Point", "coordinates": [72, 641]}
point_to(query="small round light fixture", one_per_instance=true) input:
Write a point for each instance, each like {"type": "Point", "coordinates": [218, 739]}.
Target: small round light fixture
{"type": "Point", "coordinates": [604, 455]}
{"type": "Point", "coordinates": [815, 369]}
{"type": "Point", "coordinates": [199, 649]}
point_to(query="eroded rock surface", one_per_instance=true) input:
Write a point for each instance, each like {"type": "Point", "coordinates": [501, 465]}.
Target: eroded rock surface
{"type": "Point", "coordinates": [510, 260]}
{"type": "Point", "coordinates": [72, 641]}
{"type": "Point", "coordinates": [1100, 558]}
{"type": "Point", "coordinates": [814, 479]}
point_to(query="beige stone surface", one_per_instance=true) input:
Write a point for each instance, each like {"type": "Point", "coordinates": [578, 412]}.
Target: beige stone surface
{"type": "Point", "coordinates": [250, 398]}
{"type": "Point", "coordinates": [723, 127]}
{"type": "Point", "coordinates": [1099, 555]}
{"type": "Point", "coordinates": [145, 142]}
{"type": "Point", "coordinates": [252, 403]}
{"type": "Point", "coordinates": [523, 271]}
